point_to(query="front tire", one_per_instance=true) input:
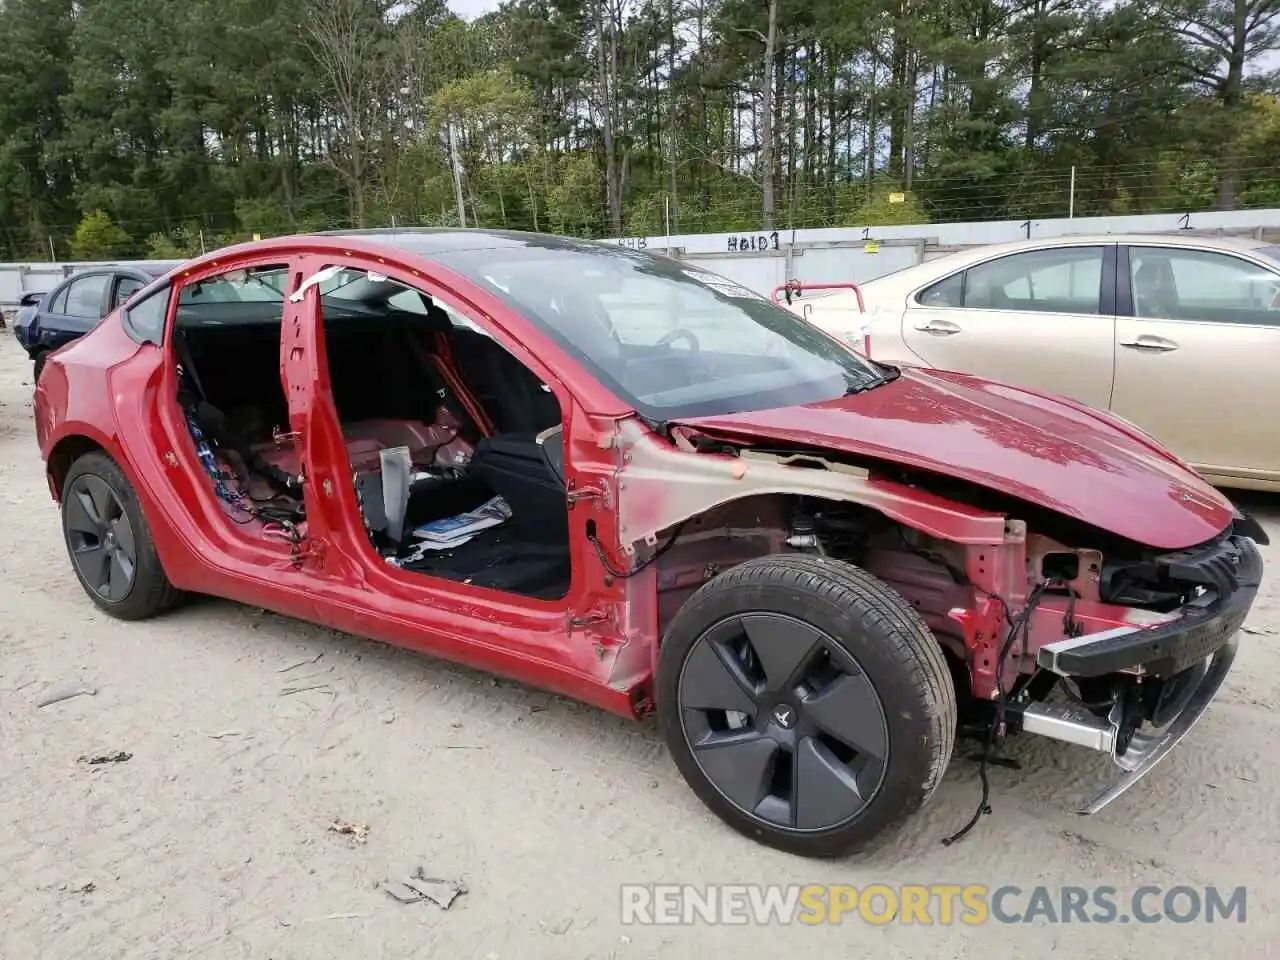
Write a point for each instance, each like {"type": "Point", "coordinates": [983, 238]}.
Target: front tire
{"type": "Point", "coordinates": [109, 542]}
{"type": "Point", "coordinates": [806, 703]}
{"type": "Point", "coordinates": [37, 365]}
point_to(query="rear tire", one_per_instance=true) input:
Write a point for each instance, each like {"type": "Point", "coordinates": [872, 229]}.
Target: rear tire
{"type": "Point", "coordinates": [806, 703]}
{"type": "Point", "coordinates": [109, 542]}
{"type": "Point", "coordinates": [37, 365]}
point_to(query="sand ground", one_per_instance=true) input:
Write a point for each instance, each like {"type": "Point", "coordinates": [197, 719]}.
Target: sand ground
{"type": "Point", "coordinates": [213, 841]}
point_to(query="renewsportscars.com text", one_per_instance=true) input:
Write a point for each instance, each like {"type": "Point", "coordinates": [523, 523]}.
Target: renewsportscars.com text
{"type": "Point", "coordinates": [927, 904]}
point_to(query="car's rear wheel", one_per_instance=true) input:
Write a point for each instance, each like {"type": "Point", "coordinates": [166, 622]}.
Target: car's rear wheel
{"type": "Point", "coordinates": [37, 365]}
{"type": "Point", "coordinates": [806, 703]}
{"type": "Point", "coordinates": [110, 543]}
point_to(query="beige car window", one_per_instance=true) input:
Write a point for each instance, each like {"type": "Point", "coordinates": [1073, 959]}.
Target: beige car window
{"type": "Point", "coordinates": [1066, 280]}
{"type": "Point", "coordinates": [944, 293]}
{"type": "Point", "coordinates": [1173, 284]}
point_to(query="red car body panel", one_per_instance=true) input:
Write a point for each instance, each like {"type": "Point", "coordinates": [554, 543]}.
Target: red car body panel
{"type": "Point", "coordinates": [597, 643]}
{"type": "Point", "coordinates": [1038, 449]}
{"type": "Point", "coordinates": [115, 392]}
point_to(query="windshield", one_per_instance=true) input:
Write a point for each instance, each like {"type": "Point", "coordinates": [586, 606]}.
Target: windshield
{"type": "Point", "coordinates": [668, 338]}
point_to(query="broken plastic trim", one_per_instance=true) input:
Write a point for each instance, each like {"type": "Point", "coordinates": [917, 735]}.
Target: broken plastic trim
{"type": "Point", "coordinates": [1148, 749]}
{"type": "Point", "coordinates": [320, 276]}
{"type": "Point", "coordinates": [1244, 525]}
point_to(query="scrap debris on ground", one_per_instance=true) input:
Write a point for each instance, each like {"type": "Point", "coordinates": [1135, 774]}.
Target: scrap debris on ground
{"type": "Point", "coordinates": [65, 690]}
{"type": "Point", "coordinates": [418, 887]}
{"type": "Point", "coordinates": [358, 832]}
{"type": "Point", "coordinates": [118, 757]}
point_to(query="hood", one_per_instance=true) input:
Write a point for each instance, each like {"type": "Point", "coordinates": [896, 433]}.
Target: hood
{"type": "Point", "coordinates": [1043, 450]}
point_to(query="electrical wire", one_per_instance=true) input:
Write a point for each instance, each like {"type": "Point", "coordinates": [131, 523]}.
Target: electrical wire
{"type": "Point", "coordinates": [1070, 628]}
{"type": "Point", "coordinates": [1019, 624]}
{"type": "Point", "coordinates": [653, 557]}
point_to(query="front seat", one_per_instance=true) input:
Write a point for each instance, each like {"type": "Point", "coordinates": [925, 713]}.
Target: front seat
{"type": "Point", "coordinates": [519, 469]}
{"type": "Point", "coordinates": [513, 396]}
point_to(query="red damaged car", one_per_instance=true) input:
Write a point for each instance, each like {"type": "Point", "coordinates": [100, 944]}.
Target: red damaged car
{"type": "Point", "coordinates": [638, 484]}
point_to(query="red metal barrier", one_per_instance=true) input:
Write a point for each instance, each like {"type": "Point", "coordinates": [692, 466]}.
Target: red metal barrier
{"type": "Point", "coordinates": [792, 287]}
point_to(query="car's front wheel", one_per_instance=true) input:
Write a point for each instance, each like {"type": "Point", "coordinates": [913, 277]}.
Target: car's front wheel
{"type": "Point", "coordinates": [110, 543]}
{"type": "Point", "coordinates": [806, 703]}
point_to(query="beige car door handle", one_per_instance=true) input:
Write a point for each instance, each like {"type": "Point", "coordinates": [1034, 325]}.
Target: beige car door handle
{"type": "Point", "coordinates": [939, 328]}
{"type": "Point", "coordinates": [1147, 342]}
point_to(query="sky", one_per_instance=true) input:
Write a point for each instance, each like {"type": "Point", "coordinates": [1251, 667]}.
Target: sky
{"type": "Point", "coordinates": [469, 9]}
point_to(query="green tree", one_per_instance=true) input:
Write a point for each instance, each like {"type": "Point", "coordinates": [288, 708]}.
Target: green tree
{"type": "Point", "coordinates": [224, 118]}
{"type": "Point", "coordinates": [97, 238]}
{"type": "Point", "coordinates": [35, 180]}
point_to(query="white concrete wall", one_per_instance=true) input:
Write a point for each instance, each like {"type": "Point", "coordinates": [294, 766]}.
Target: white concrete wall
{"type": "Point", "coordinates": [762, 260]}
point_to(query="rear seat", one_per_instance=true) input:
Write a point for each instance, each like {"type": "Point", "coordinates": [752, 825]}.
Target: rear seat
{"type": "Point", "coordinates": [435, 444]}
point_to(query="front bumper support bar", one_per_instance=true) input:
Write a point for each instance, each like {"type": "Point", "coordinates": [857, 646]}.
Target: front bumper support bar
{"type": "Point", "coordinates": [1147, 748]}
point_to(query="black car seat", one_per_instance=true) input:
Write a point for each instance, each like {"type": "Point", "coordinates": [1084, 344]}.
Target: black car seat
{"type": "Point", "coordinates": [512, 462]}
{"type": "Point", "coordinates": [517, 468]}
{"type": "Point", "coordinates": [518, 402]}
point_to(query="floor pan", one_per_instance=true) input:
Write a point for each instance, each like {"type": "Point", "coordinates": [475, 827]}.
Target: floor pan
{"type": "Point", "coordinates": [502, 560]}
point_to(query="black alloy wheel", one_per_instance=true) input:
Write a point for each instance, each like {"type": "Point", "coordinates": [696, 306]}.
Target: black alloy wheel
{"type": "Point", "coordinates": [110, 543]}
{"type": "Point", "coordinates": [783, 721]}
{"type": "Point", "coordinates": [101, 538]}
{"type": "Point", "coordinates": [806, 703]}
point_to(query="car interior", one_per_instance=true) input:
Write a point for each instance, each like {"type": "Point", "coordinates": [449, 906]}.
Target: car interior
{"type": "Point", "coordinates": [454, 446]}
{"type": "Point", "coordinates": [1070, 282]}
{"type": "Point", "coordinates": [1155, 292]}
{"type": "Point", "coordinates": [1177, 285]}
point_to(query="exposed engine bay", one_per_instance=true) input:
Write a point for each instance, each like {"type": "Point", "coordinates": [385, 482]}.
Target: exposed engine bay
{"type": "Point", "coordinates": [1007, 617]}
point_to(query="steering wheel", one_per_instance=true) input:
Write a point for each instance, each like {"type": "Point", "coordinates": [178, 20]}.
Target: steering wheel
{"type": "Point", "coordinates": [671, 336]}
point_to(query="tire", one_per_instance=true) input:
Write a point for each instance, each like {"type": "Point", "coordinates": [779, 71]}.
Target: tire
{"type": "Point", "coordinates": [842, 640]}
{"type": "Point", "coordinates": [37, 365]}
{"type": "Point", "coordinates": [96, 494]}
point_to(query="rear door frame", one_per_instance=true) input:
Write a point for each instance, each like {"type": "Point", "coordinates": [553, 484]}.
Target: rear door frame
{"type": "Point", "coordinates": [1124, 273]}
{"type": "Point", "coordinates": [44, 335]}
{"type": "Point", "coordinates": [67, 326]}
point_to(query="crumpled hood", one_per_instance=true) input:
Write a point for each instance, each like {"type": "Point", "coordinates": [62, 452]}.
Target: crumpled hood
{"type": "Point", "coordinates": [1047, 451]}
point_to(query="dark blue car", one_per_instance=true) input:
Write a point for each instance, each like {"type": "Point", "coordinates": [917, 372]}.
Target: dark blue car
{"type": "Point", "coordinates": [79, 303]}
{"type": "Point", "coordinates": [28, 304]}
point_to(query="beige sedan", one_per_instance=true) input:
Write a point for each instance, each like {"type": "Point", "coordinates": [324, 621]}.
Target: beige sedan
{"type": "Point", "coordinates": [1178, 334]}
